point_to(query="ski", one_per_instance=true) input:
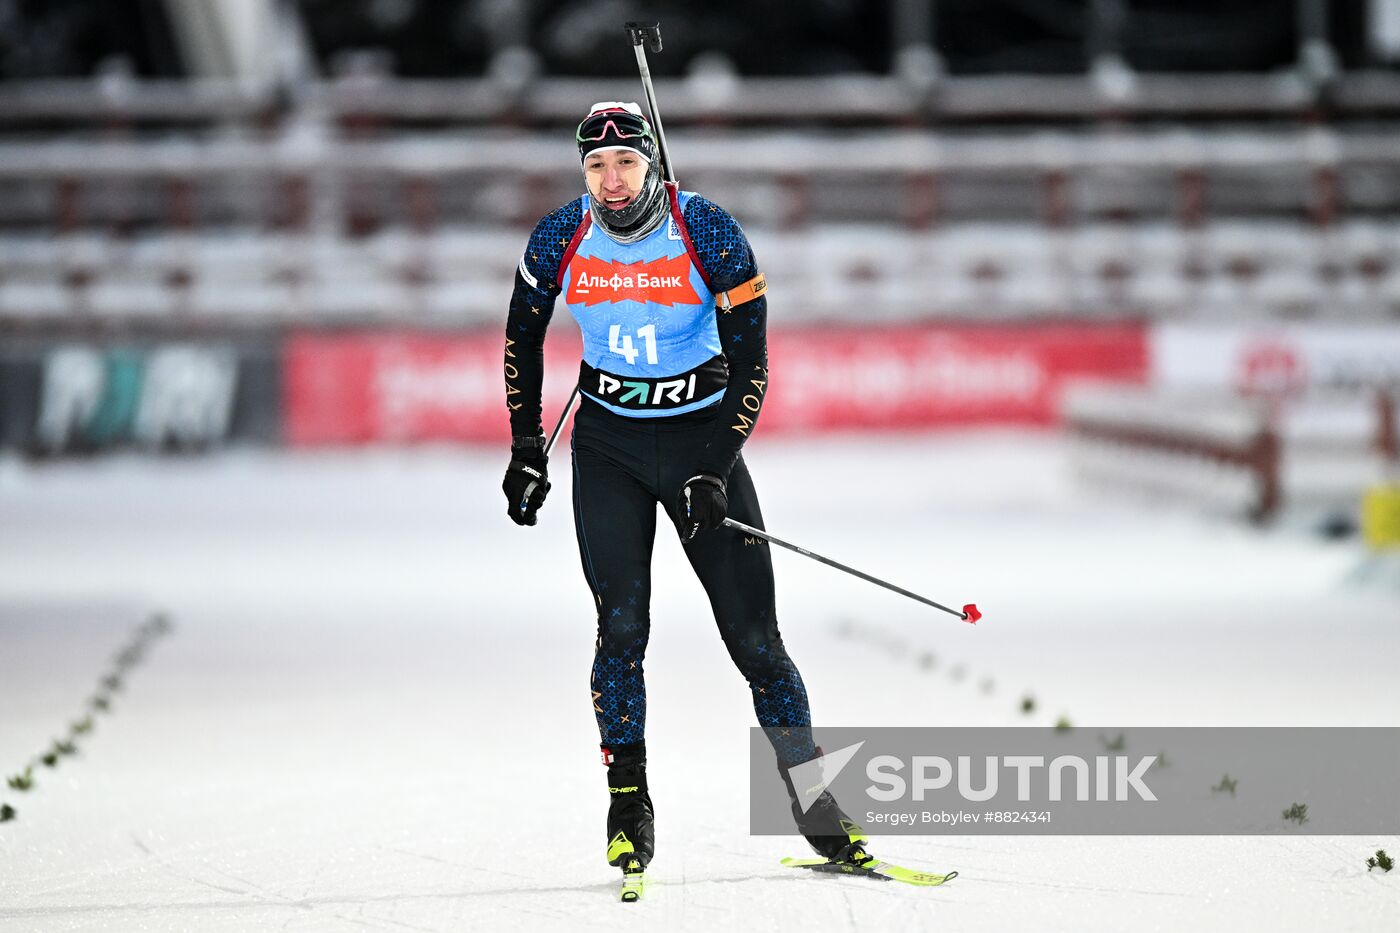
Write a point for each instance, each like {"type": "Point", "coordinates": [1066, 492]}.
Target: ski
{"type": "Point", "coordinates": [634, 879]}
{"type": "Point", "coordinates": [867, 867]}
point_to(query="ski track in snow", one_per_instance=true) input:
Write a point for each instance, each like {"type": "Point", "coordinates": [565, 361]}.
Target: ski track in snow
{"type": "Point", "coordinates": [372, 713]}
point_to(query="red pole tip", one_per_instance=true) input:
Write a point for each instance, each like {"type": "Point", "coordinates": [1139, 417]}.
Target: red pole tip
{"type": "Point", "coordinates": [971, 614]}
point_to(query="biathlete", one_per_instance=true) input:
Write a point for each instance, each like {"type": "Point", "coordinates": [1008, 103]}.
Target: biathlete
{"type": "Point", "coordinates": [672, 308]}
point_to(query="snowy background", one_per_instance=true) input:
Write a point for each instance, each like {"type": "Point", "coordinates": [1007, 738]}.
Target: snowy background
{"type": "Point", "coordinates": [373, 713]}
{"type": "Point", "coordinates": [229, 226]}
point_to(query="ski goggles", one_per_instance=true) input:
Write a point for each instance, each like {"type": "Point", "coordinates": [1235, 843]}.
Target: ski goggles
{"type": "Point", "coordinates": [623, 125]}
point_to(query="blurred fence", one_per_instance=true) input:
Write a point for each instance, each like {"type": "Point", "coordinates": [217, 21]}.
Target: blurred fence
{"type": "Point", "coordinates": [425, 229]}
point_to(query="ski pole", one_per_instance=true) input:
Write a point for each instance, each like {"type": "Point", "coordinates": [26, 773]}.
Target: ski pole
{"type": "Point", "coordinates": [549, 445]}
{"type": "Point", "coordinates": [563, 416]}
{"type": "Point", "coordinates": [650, 34]}
{"type": "Point", "coordinates": [969, 612]}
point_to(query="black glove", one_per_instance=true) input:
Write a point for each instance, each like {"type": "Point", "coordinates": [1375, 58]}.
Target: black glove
{"type": "Point", "coordinates": [526, 483]}
{"type": "Point", "coordinates": [701, 505]}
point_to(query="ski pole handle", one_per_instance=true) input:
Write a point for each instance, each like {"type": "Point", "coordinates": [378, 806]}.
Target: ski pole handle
{"type": "Point", "coordinates": [969, 612]}
{"type": "Point", "coordinates": [650, 34]}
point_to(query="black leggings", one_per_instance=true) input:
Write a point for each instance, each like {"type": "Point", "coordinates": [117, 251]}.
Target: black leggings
{"type": "Point", "coordinates": [622, 468]}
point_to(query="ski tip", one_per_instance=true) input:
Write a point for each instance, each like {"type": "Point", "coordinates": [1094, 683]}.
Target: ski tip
{"type": "Point", "coordinates": [971, 613]}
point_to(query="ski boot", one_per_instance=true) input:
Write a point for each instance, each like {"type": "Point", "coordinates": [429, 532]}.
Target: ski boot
{"type": "Point", "coordinates": [631, 838]}
{"type": "Point", "coordinates": [840, 841]}
{"type": "Point", "coordinates": [828, 830]}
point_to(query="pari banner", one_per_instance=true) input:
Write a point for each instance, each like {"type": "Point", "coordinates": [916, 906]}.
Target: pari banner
{"type": "Point", "coordinates": [385, 386]}
{"type": "Point", "coordinates": [81, 397]}
{"type": "Point", "coordinates": [1085, 781]}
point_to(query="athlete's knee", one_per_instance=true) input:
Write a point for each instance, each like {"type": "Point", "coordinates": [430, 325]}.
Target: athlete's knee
{"type": "Point", "coordinates": [758, 652]}
{"type": "Point", "coordinates": [622, 629]}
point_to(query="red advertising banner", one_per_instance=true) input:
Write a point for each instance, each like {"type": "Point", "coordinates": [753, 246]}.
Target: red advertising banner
{"type": "Point", "coordinates": [940, 375]}
{"type": "Point", "coordinates": [398, 387]}
{"type": "Point", "coordinates": [391, 387]}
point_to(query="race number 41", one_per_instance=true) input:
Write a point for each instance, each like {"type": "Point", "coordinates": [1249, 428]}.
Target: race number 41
{"type": "Point", "coordinates": [623, 346]}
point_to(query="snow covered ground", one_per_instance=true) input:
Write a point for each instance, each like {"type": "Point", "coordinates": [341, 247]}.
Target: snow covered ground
{"type": "Point", "coordinates": [373, 712]}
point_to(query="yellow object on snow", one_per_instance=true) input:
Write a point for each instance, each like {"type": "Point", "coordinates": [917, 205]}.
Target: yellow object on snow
{"type": "Point", "coordinates": [1380, 517]}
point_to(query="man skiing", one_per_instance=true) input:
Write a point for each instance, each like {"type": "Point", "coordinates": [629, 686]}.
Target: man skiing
{"type": "Point", "coordinates": [672, 308]}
